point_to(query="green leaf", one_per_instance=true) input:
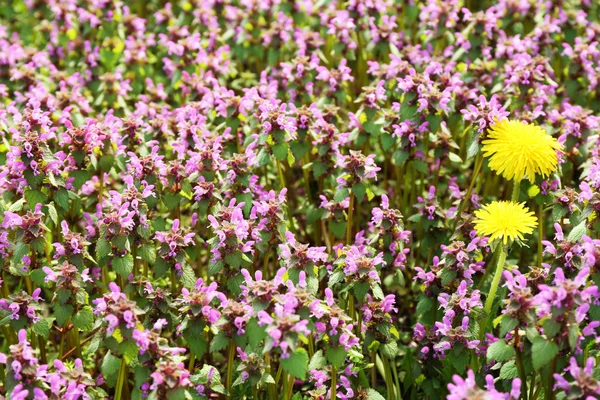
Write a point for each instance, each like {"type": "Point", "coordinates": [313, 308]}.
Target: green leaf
{"type": "Point", "coordinates": [389, 349]}
{"type": "Point", "coordinates": [176, 394]}
{"type": "Point", "coordinates": [507, 324]}
{"type": "Point", "coordinates": [148, 253]}
{"type": "Point", "coordinates": [171, 200]}
{"type": "Point", "coordinates": [424, 305]}
{"type": "Point", "coordinates": [110, 368]}
{"type": "Point", "coordinates": [61, 198]}
{"type": "Point", "coordinates": [94, 345]}
{"type": "Point", "coordinates": [42, 327]}
{"type": "Point", "coordinates": [387, 141]}
{"type": "Point", "coordinates": [336, 356]}
{"type": "Point", "coordinates": [543, 351]}
{"type": "Point", "coordinates": [53, 214]}
{"type": "Point", "coordinates": [84, 319]}
{"type": "Point", "coordinates": [360, 290]}
{"type": "Point", "coordinates": [129, 351]}
{"type": "Point", "coordinates": [317, 361]}
{"type": "Point", "coordinates": [197, 343]}
{"type": "Point", "coordinates": [296, 364]}
{"type": "Point", "coordinates": [188, 277]}
{"type": "Point", "coordinates": [103, 248]}
{"type": "Point", "coordinates": [255, 332]}
{"type": "Point", "coordinates": [34, 197]}
{"type": "Point", "coordinates": [19, 251]}
{"type": "Point", "coordinates": [123, 265]}
{"type": "Point", "coordinates": [455, 158]}
{"type": "Point", "coordinates": [219, 342]}
{"type": "Point", "coordinates": [551, 328]}
{"type": "Point", "coordinates": [373, 394]}
{"type": "Point", "coordinates": [62, 313]}
{"type": "Point", "coordinates": [500, 351]}
{"type": "Point", "coordinates": [509, 370]}
{"type": "Point", "coordinates": [359, 190]}
{"type": "Point", "coordinates": [460, 360]}
{"type": "Point", "coordinates": [338, 228]}
{"type": "Point", "coordinates": [234, 259]}
{"type": "Point", "coordinates": [578, 231]}
{"type": "Point", "coordinates": [447, 276]}
{"type": "Point", "coordinates": [280, 151]}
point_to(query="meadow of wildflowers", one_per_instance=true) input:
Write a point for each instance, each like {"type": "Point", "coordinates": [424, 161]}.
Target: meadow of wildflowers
{"type": "Point", "coordinates": [270, 199]}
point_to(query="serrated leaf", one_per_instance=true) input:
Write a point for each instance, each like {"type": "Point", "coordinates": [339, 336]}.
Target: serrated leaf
{"type": "Point", "coordinates": [255, 332]}
{"type": "Point", "coordinates": [360, 290]}
{"type": "Point", "coordinates": [336, 356]}
{"type": "Point", "coordinates": [219, 342]}
{"type": "Point", "coordinates": [317, 361]}
{"type": "Point", "coordinates": [103, 248]}
{"type": "Point", "coordinates": [129, 351]}
{"type": "Point", "coordinates": [84, 319]}
{"type": "Point", "coordinates": [42, 327]}
{"type": "Point", "coordinates": [296, 364]}
{"type": "Point", "coordinates": [148, 253]}
{"type": "Point", "coordinates": [509, 370]}
{"type": "Point", "coordinates": [500, 351]}
{"type": "Point", "coordinates": [123, 265]}
{"type": "Point", "coordinates": [35, 197]}
{"type": "Point", "coordinates": [359, 190]}
{"type": "Point", "coordinates": [389, 349]}
{"type": "Point", "coordinates": [61, 198]}
{"type": "Point", "coordinates": [188, 277]}
{"type": "Point", "coordinates": [373, 394]}
{"type": "Point", "coordinates": [338, 228]}
{"type": "Point", "coordinates": [110, 368]}
{"type": "Point", "coordinates": [507, 324]}
{"type": "Point", "coordinates": [577, 232]}
{"type": "Point", "coordinates": [543, 351]}
{"type": "Point", "coordinates": [62, 312]}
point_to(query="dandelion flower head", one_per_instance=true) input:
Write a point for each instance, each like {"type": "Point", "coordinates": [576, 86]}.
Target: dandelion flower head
{"type": "Point", "coordinates": [504, 220]}
{"type": "Point", "coordinates": [517, 150]}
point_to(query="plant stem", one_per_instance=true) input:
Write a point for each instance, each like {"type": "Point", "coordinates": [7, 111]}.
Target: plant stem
{"type": "Point", "coordinates": [531, 385]}
{"type": "Point", "coordinates": [396, 380]}
{"type": "Point", "coordinates": [192, 362]}
{"type": "Point", "coordinates": [516, 190]}
{"type": "Point", "coordinates": [230, 360]}
{"type": "Point", "coordinates": [121, 379]}
{"type": "Point", "coordinates": [284, 377]}
{"type": "Point", "coordinates": [271, 390]}
{"type": "Point", "coordinates": [42, 345]}
{"type": "Point", "coordinates": [349, 225]}
{"type": "Point", "coordinates": [489, 301]}
{"type": "Point", "coordinates": [520, 367]}
{"type": "Point", "coordinates": [540, 235]}
{"type": "Point", "coordinates": [333, 383]}
{"type": "Point", "coordinates": [466, 199]}
{"type": "Point", "coordinates": [173, 282]}
{"type": "Point", "coordinates": [374, 370]}
{"type": "Point", "coordinates": [549, 392]}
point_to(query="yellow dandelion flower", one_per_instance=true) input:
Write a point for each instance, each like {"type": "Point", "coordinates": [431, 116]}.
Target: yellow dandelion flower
{"type": "Point", "coordinates": [504, 220]}
{"type": "Point", "coordinates": [517, 150]}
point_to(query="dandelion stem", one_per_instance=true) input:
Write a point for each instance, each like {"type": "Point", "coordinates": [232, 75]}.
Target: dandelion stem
{"type": "Point", "coordinates": [516, 190]}
{"type": "Point", "coordinates": [540, 235]}
{"type": "Point", "coordinates": [466, 199]}
{"type": "Point", "coordinates": [489, 302]}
